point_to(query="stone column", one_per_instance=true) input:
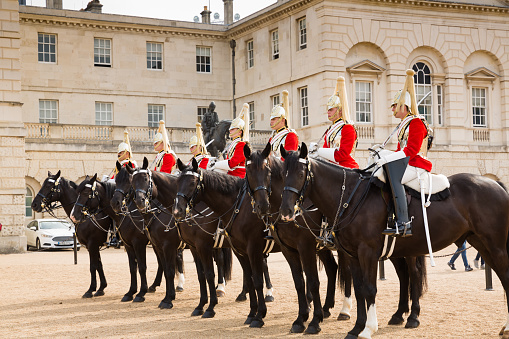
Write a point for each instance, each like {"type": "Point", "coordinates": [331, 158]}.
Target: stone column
{"type": "Point", "coordinates": [12, 133]}
{"type": "Point", "coordinates": [228, 12]}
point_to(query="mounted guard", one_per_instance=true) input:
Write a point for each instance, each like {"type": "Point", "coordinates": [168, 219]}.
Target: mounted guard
{"type": "Point", "coordinates": [340, 139]}
{"type": "Point", "coordinates": [166, 159]}
{"type": "Point", "coordinates": [280, 125]}
{"type": "Point", "coordinates": [235, 159]}
{"type": "Point", "coordinates": [124, 155]}
{"type": "Point", "coordinates": [198, 149]}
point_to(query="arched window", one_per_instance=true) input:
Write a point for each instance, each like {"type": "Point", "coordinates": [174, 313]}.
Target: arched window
{"type": "Point", "coordinates": [29, 196]}
{"type": "Point", "coordinates": [422, 80]}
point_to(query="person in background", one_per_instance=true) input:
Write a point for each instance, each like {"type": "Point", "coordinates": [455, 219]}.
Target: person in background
{"type": "Point", "coordinates": [198, 149]}
{"type": "Point", "coordinates": [461, 250]}
{"type": "Point", "coordinates": [280, 125]}
{"type": "Point", "coordinates": [166, 159]}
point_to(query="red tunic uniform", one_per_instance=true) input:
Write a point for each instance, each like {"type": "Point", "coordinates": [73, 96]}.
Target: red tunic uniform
{"type": "Point", "coordinates": [411, 134]}
{"type": "Point", "coordinates": [236, 158]}
{"type": "Point", "coordinates": [286, 137]}
{"type": "Point", "coordinates": [202, 161]}
{"type": "Point", "coordinates": [346, 136]}
{"type": "Point", "coordinates": [165, 162]}
{"type": "Point", "coordinates": [124, 164]}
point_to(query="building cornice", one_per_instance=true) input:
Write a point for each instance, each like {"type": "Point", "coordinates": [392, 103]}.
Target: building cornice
{"type": "Point", "coordinates": [445, 5]}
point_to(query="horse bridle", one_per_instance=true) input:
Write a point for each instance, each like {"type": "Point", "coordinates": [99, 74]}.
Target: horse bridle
{"type": "Point", "coordinates": [300, 194]}
{"type": "Point", "coordinates": [250, 191]}
{"type": "Point", "coordinates": [149, 191]}
{"type": "Point", "coordinates": [84, 209]}
{"type": "Point", "coordinates": [190, 200]}
{"type": "Point", "coordinates": [45, 203]}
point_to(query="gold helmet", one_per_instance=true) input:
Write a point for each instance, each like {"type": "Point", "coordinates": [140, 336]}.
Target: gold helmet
{"type": "Point", "coordinates": [408, 98]}
{"type": "Point", "coordinates": [282, 110]}
{"type": "Point", "coordinates": [161, 135]}
{"type": "Point", "coordinates": [197, 140]}
{"type": "Point", "coordinates": [125, 145]}
{"type": "Point", "coordinates": [340, 99]}
{"type": "Point", "coordinates": [242, 121]}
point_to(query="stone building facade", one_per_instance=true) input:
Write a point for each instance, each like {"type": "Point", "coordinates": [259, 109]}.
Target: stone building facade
{"type": "Point", "coordinates": [75, 80]}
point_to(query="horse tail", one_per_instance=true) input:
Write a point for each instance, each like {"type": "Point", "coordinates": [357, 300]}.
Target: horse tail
{"type": "Point", "coordinates": [228, 256]}
{"type": "Point", "coordinates": [344, 272]}
{"type": "Point", "coordinates": [422, 274]}
{"type": "Point", "coordinates": [180, 260]}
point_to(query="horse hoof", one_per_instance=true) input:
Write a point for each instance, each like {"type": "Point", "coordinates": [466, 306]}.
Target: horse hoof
{"type": "Point", "coordinates": [220, 294]}
{"type": "Point", "coordinates": [87, 295]}
{"type": "Point", "coordinates": [256, 323]}
{"type": "Point", "coordinates": [313, 329]}
{"type": "Point", "coordinates": [165, 305]}
{"type": "Point", "coordinates": [208, 314]}
{"type": "Point", "coordinates": [343, 316]}
{"type": "Point", "coordinates": [179, 289]}
{"type": "Point", "coordinates": [326, 314]}
{"type": "Point", "coordinates": [269, 298]}
{"type": "Point", "coordinates": [139, 299]}
{"type": "Point", "coordinates": [412, 323]}
{"type": "Point", "coordinates": [351, 336]}
{"type": "Point", "coordinates": [297, 328]}
{"type": "Point", "coordinates": [127, 298]}
{"type": "Point", "coordinates": [395, 320]}
{"type": "Point", "coordinates": [196, 312]}
{"type": "Point", "coordinates": [151, 289]}
{"type": "Point", "coordinates": [241, 297]}
{"type": "Point", "coordinates": [248, 321]}
{"type": "Point", "coordinates": [99, 294]}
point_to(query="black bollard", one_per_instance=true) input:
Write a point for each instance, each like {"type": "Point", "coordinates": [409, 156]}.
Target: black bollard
{"type": "Point", "coordinates": [381, 269]}
{"type": "Point", "coordinates": [489, 280]}
{"type": "Point", "coordinates": [75, 249]}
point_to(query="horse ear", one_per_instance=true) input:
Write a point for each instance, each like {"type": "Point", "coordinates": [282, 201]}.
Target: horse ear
{"type": "Point", "coordinates": [303, 151]}
{"type": "Point", "coordinates": [247, 151]}
{"type": "Point", "coordinates": [57, 175]}
{"type": "Point", "coordinates": [119, 167]}
{"type": "Point", "coordinates": [129, 168]}
{"type": "Point", "coordinates": [94, 178]}
{"type": "Point", "coordinates": [180, 165]}
{"type": "Point", "coordinates": [195, 165]}
{"type": "Point", "coordinates": [49, 174]}
{"type": "Point", "coordinates": [145, 163]}
{"type": "Point", "coordinates": [283, 152]}
{"type": "Point", "coordinates": [266, 150]}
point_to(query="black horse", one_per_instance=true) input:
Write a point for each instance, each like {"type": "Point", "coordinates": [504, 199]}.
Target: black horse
{"type": "Point", "coordinates": [477, 210]}
{"type": "Point", "coordinates": [93, 196]}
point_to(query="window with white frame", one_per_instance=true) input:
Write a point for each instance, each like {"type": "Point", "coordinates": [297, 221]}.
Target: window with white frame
{"type": "Point", "coordinates": [363, 101]}
{"type": "Point", "coordinates": [422, 80]}
{"type": "Point", "coordinates": [201, 112]}
{"type": "Point", "coordinates": [102, 52]}
{"type": "Point", "coordinates": [104, 113]}
{"type": "Point", "coordinates": [29, 196]}
{"type": "Point", "coordinates": [440, 105]}
{"type": "Point", "coordinates": [48, 111]}
{"type": "Point", "coordinates": [155, 114]}
{"type": "Point", "coordinates": [250, 54]}
{"type": "Point", "coordinates": [274, 100]}
{"type": "Point", "coordinates": [274, 36]}
{"type": "Point", "coordinates": [47, 47]}
{"type": "Point", "coordinates": [154, 55]}
{"type": "Point", "coordinates": [302, 33]}
{"type": "Point", "coordinates": [203, 55]}
{"type": "Point", "coordinates": [304, 113]}
{"type": "Point", "coordinates": [252, 118]}
{"type": "Point", "coordinates": [479, 106]}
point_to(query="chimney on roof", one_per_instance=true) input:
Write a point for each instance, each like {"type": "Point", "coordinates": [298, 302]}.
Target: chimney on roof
{"type": "Point", "coordinates": [56, 4]}
{"type": "Point", "coordinates": [205, 15]}
{"type": "Point", "coordinates": [94, 6]}
{"type": "Point", "coordinates": [228, 12]}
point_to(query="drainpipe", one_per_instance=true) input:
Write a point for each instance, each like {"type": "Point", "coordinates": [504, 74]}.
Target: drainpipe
{"type": "Point", "coordinates": [232, 45]}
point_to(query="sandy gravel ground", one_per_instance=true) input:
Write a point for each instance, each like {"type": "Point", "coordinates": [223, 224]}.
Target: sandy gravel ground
{"type": "Point", "coordinates": [42, 298]}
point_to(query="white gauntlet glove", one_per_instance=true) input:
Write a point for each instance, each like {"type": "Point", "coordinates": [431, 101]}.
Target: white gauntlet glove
{"type": "Point", "coordinates": [220, 166]}
{"type": "Point", "coordinates": [105, 178]}
{"type": "Point", "coordinates": [327, 153]}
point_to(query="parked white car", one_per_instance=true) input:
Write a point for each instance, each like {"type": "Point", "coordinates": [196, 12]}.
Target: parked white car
{"type": "Point", "coordinates": [50, 233]}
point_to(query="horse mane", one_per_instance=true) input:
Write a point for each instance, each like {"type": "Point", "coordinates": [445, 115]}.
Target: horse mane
{"type": "Point", "coordinates": [109, 187]}
{"type": "Point", "coordinates": [331, 165]}
{"type": "Point", "coordinates": [223, 183]}
{"type": "Point", "coordinates": [275, 164]}
{"type": "Point", "coordinates": [122, 175]}
{"type": "Point", "coordinates": [292, 160]}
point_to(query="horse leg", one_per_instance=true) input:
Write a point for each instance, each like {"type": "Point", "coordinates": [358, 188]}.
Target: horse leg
{"type": "Point", "coordinates": [102, 277]}
{"type": "Point", "coordinates": [141, 257]}
{"type": "Point", "coordinates": [369, 266]}
{"type": "Point", "coordinates": [180, 270]}
{"type": "Point", "coordinates": [401, 268]}
{"type": "Point", "coordinates": [168, 258]}
{"type": "Point", "coordinates": [310, 269]}
{"type": "Point", "coordinates": [359, 296]}
{"type": "Point", "coordinates": [249, 287]}
{"type": "Point", "coordinates": [159, 275]}
{"type": "Point", "coordinates": [93, 254]}
{"type": "Point", "coordinates": [208, 268]}
{"type": "Point", "coordinates": [219, 258]}
{"type": "Point", "coordinates": [132, 270]}
{"type": "Point", "coordinates": [257, 268]}
{"type": "Point", "coordinates": [294, 262]}
{"type": "Point", "coordinates": [417, 269]}
{"type": "Point", "coordinates": [203, 284]}
{"type": "Point", "coordinates": [331, 269]}
{"type": "Point", "coordinates": [345, 283]}
{"type": "Point", "coordinates": [268, 295]}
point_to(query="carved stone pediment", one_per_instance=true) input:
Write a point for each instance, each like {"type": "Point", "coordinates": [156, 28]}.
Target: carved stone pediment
{"type": "Point", "coordinates": [481, 75]}
{"type": "Point", "coordinates": [366, 67]}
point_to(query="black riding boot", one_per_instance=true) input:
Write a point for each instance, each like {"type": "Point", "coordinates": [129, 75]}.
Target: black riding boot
{"type": "Point", "coordinates": [394, 172]}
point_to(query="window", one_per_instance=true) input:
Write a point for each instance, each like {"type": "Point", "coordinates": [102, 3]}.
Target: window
{"type": "Point", "coordinates": [250, 54]}
{"type": "Point", "coordinates": [274, 100]}
{"type": "Point", "coordinates": [102, 52]}
{"type": "Point", "coordinates": [422, 80]}
{"type": "Point", "coordinates": [302, 33]}
{"type": "Point", "coordinates": [252, 118]}
{"type": "Point", "coordinates": [155, 114]}
{"type": "Point", "coordinates": [479, 106]}
{"type": "Point", "coordinates": [29, 196]}
{"type": "Point", "coordinates": [275, 44]}
{"type": "Point", "coordinates": [440, 105]}
{"type": "Point", "coordinates": [48, 111]}
{"type": "Point", "coordinates": [363, 101]}
{"type": "Point", "coordinates": [201, 112]}
{"type": "Point", "coordinates": [154, 55]}
{"type": "Point", "coordinates": [203, 59]}
{"type": "Point", "coordinates": [47, 47]}
{"type": "Point", "coordinates": [303, 92]}
{"type": "Point", "coordinates": [104, 113]}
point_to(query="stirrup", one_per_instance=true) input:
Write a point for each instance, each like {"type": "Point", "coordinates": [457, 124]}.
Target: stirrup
{"type": "Point", "coordinates": [403, 229]}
